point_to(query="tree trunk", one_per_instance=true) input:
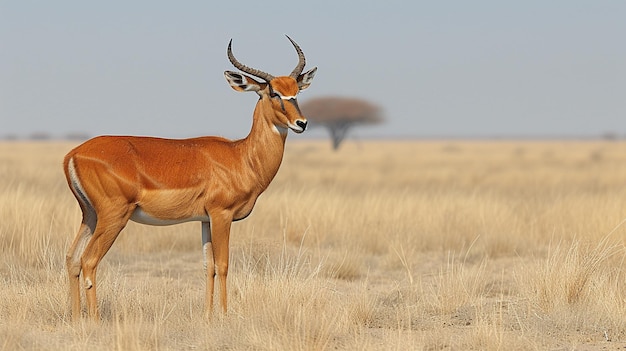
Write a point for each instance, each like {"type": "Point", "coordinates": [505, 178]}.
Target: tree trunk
{"type": "Point", "coordinates": [338, 132]}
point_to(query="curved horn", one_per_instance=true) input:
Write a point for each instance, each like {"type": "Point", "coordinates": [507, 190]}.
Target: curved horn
{"type": "Point", "coordinates": [301, 60]}
{"type": "Point", "coordinates": [244, 68]}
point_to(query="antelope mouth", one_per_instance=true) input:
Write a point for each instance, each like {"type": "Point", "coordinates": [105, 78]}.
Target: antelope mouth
{"type": "Point", "coordinates": [299, 126]}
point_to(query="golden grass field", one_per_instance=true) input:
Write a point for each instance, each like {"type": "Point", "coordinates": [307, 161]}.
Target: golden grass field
{"type": "Point", "coordinates": [405, 245]}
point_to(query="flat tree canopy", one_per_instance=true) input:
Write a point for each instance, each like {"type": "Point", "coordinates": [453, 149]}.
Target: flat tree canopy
{"type": "Point", "coordinates": [338, 114]}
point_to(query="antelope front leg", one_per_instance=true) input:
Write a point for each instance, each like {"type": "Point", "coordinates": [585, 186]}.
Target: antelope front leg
{"type": "Point", "coordinates": [209, 266]}
{"type": "Point", "coordinates": [220, 233]}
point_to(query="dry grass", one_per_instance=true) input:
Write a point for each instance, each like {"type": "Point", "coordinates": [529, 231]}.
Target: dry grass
{"type": "Point", "coordinates": [385, 245]}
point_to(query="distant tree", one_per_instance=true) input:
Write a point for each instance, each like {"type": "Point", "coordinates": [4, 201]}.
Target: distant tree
{"type": "Point", "coordinates": [40, 136]}
{"type": "Point", "coordinates": [612, 136]}
{"type": "Point", "coordinates": [76, 136]}
{"type": "Point", "coordinates": [339, 114]}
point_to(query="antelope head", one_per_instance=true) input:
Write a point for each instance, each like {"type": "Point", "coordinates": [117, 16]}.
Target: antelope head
{"type": "Point", "coordinates": [282, 92]}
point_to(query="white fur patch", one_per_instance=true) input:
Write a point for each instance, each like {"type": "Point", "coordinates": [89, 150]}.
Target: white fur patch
{"type": "Point", "coordinates": [85, 236]}
{"type": "Point", "coordinates": [206, 242]}
{"type": "Point", "coordinates": [71, 170]}
{"type": "Point", "coordinates": [205, 249]}
{"type": "Point", "coordinates": [88, 283]}
{"type": "Point", "coordinates": [280, 130]}
{"type": "Point", "coordinates": [140, 216]}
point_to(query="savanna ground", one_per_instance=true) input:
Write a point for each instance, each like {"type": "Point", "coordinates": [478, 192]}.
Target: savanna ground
{"type": "Point", "coordinates": [424, 245]}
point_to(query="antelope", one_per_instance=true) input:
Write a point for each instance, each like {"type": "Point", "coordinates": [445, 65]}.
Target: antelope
{"type": "Point", "coordinates": [159, 181]}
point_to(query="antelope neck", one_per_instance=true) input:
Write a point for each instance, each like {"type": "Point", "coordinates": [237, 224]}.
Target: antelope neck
{"type": "Point", "coordinates": [265, 144]}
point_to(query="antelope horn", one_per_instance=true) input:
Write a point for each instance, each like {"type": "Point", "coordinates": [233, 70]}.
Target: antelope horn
{"type": "Point", "coordinates": [255, 72]}
{"type": "Point", "coordinates": [301, 60]}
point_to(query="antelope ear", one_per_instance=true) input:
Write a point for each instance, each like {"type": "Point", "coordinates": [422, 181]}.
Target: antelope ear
{"type": "Point", "coordinates": [242, 82]}
{"type": "Point", "coordinates": [305, 79]}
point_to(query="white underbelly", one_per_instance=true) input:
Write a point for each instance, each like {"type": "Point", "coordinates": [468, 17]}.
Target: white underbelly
{"type": "Point", "coordinates": [142, 217]}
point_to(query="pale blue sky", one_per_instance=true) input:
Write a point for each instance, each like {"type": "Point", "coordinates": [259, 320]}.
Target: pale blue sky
{"type": "Point", "coordinates": [438, 68]}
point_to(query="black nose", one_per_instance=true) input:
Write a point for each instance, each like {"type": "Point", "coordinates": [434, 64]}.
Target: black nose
{"type": "Point", "coordinates": [302, 124]}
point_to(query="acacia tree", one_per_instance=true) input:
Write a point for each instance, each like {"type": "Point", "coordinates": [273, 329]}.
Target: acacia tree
{"type": "Point", "coordinates": [339, 114]}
